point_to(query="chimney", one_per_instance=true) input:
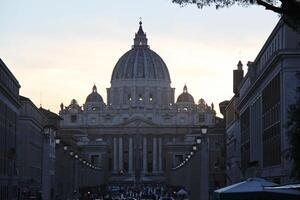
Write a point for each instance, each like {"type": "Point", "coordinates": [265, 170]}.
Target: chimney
{"type": "Point", "coordinates": [238, 75]}
{"type": "Point", "coordinates": [222, 107]}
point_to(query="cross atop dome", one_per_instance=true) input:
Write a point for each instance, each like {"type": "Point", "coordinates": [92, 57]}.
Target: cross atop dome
{"type": "Point", "coordinates": [140, 39]}
{"type": "Point", "coordinates": [94, 88]}
{"type": "Point", "coordinates": [140, 31]}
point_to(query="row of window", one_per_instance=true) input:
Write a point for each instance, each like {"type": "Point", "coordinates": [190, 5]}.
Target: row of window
{"type": "Point", "coordinates": [7, 138]}
{"type": "Point", "coordinates": [73, 119]}
{"type": "Point", "coordinates": [273, 47]}
{"type": "Point", "coordinates": [140, 97]}
{"type": "Point", "coordinates": [271, 123]}
{"type": "Point", "coordinates": [268, 107]}
{"type": "Point", "coordinates": [8, 82]}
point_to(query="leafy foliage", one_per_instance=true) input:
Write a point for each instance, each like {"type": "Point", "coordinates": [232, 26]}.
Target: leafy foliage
{"type": "Point", "coordinates": [216, 3]}
{"type": "Point", "coordinates": [289, 9]}
{"type": "Point", "coordinates": [294, 132]}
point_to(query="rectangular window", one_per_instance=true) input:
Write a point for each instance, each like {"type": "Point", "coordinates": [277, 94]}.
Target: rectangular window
{"type": "Point", "coordinates": [201, 118]}
{"type": "Point", "coordinates": [245, 138]}
{"type": "Point", "coordinates": [73, 118]}
{"type": "Point", "coordinates": [271, 123]}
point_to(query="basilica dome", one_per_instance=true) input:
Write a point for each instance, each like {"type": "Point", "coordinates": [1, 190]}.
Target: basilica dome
{"type": "Point", "coordinates": [185, 97]}
{"type": "Point", "coordinates": [141, 63]}
{"type": "Point", "coordinates": [94, 97]}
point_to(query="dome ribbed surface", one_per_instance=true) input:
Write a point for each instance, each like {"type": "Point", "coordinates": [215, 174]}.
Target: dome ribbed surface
{"type": "Point", "coordinates": [185, 97]}
{"type": "Point", "coordinates": [94, 97]}
{"type": "Point", "coordinates": [141, 63]}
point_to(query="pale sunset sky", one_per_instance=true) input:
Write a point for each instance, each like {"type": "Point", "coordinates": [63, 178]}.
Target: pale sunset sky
{"type": "Point", "coordinates": [57, 49]}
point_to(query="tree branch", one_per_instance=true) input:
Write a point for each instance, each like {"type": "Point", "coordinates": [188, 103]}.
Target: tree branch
{"type": "Point", "coordinates": [270, 7]}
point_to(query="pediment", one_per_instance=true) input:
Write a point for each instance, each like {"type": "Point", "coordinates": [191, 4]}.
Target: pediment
{"type": "Point", "coordinates": [138, 122]}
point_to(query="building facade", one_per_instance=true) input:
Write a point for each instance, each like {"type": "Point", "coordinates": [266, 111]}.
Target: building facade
{"type": "Point", "coordinates": [9, 110]}
{"type": "Point", "coordinates": [30, 140]}
{"type": "Point", "coordinates": [139, 120]}
{"type": "Point", "coordinates": [50, 131]}
{"type": "Point", "coordinates": [259, 110]}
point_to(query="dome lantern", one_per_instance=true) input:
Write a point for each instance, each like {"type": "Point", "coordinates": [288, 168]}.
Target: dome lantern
{"type": "Point", "coordinates": [140, 39]}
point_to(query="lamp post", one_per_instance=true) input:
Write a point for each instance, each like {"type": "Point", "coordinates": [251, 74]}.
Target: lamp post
{"type": "Point", "coordinates": [49, 133]}
{"type": "Point", "coordinates": [203, 153]}
{"type": "Point", "coordinates": [199, 186]}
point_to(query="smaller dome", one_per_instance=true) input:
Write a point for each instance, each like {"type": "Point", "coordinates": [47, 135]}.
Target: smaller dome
{"type": "Point", "coordinates": [185, 97]}
{"type": "Point", "coordinates": [94, 97]}
{"type": "Point", "coordinates": [73, 102]}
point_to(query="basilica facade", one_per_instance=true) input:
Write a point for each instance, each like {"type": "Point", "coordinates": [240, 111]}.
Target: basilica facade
{"type": "Point", "coordinates": [140, 132]}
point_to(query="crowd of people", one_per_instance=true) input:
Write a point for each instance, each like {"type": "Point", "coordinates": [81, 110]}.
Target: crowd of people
{"type": "Point", "coordinates": [135, 192]}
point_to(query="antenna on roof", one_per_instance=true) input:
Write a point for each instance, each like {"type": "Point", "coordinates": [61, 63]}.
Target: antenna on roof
{"type": "Point", "coordinates": [40, 99]}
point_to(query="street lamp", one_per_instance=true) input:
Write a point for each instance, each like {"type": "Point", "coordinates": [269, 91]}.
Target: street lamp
{"type": "Point", "coordinates": [57, 141]}
{"type": "Point", "coordinates": [194, 147]}
{"type": "Point", "coordinates": [65, 148]}
{"type": "Point", "coordinates": [204, 129]}
{"type": "Point", "coordinates": [198, 140]}
{"type": "Point", "coordinates": [47, 130]}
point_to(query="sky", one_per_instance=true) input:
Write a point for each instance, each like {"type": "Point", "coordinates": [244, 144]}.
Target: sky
{"type": "Point", "coordinates": [57, 49]}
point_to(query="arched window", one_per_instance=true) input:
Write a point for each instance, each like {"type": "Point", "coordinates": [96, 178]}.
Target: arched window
{"type": "Point", "coordinates": [95, 108]}
{"type": "Point", "coordinates": [140, 97]}
{"type": "Point", "coordinates": [151, 98]}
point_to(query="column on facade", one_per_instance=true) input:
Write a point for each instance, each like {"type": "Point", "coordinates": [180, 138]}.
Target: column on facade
{"type": "Point", "coordinates": [159, 98]}
{"type": "Point", "coordinates": [112, 96]}
{"type": "Point", "coordinates": [145, 167]}
{"type": "Point", "coordinates": [121, 98]}
{"type": "Point", "coordinates": [154, 153]}
{"type": "Point", "coordinates": [130, 152]}
{"type": "Point", "coordinates": [115, 154]}
{"type": "Point", "coordinates": [160, 154]}
{"type": "Point", "coordinates": [120, 153]}
{"type": "Point", "coordinates": [134, 96]}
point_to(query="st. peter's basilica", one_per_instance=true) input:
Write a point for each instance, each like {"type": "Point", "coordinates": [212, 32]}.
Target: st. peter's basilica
{"type": "Point", "coordinates": [140, 132]}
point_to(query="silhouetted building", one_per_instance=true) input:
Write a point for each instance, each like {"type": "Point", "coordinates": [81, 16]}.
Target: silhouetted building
{"type": "Point", "coordinates": [50, 131]}
{"type": "Point", "coordinates": [233, 152]}
{"type": "Point", "coordinates": [258, 116]}
{"type": "Point", "coordinates": [30, 140]}
{"type": "Point", "coordinates": [139, 120]}
{"type": "Point", "coordinates": [217, 151]}
{"type": "Point", "coordinates": [9, 110]}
